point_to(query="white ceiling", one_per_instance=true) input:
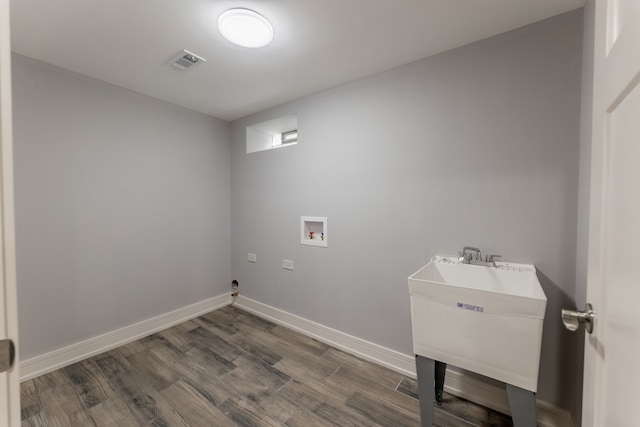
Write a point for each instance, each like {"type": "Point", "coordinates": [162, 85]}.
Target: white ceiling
{"type": "Point", "coordinates": [318, 44]}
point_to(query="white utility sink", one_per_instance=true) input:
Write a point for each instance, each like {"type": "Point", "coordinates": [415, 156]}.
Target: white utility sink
{"type": "Point", "coordinates": [484, 319]}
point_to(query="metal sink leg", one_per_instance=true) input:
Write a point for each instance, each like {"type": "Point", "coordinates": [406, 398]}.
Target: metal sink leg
{"type": "Point", "coordinates": [425, 368]}
{"type": "Point", "coordinates": [523, 406]}
{"type": "Point", "coordinates": [441, 368]}
{"type": "Point", "coordinates": [430, 385]}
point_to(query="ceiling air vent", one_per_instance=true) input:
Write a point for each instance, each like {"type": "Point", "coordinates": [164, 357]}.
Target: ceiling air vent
{"type": "Point", "coordinates": [185, 60]}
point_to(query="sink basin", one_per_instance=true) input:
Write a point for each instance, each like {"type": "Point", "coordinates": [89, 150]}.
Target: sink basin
{"type": "Point", "coordinates": [484, 319]}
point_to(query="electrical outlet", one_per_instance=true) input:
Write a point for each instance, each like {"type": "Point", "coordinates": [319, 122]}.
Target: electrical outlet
{"type": "Point", "coordinates": [287, 264]}
{"type": "Point", "coordinates": [251, 257]}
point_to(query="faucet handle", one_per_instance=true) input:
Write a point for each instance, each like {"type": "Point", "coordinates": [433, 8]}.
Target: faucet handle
{"type": "Point", "coordinates": [464, 257]}
{"type": "Point", "coordinates": [492, 258]}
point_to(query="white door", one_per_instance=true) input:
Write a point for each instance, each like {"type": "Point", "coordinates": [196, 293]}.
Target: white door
{"type": "Point", "coordinates": [9, 380]}
{"type": "Point", "coordinates": [612, 352]}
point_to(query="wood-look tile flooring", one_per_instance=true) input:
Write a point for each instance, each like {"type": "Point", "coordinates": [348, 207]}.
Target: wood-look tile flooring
{"type": "Point", "coordinates": [231, 368]}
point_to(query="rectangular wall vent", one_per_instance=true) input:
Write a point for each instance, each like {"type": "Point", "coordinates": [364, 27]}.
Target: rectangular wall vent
{"type": "Point", "coordinates": [185, 60]}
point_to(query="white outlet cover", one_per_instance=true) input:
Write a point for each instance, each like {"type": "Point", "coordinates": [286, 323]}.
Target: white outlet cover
{"type": "Point", "coordinates": [251, 257]}
{"type": "Point", "coordinates": [287, 264]}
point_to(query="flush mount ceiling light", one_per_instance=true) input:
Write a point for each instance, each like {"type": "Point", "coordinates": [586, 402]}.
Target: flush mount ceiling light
{"type": "Point", "coordinates": [245, 28]}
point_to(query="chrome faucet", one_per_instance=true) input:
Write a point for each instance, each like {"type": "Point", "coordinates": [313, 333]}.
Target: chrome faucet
{"type": "Point", "coordinates": [466, 257]}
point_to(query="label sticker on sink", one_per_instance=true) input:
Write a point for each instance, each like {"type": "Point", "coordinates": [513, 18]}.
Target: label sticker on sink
{"type": "Point", "coordinates": [470, 307]}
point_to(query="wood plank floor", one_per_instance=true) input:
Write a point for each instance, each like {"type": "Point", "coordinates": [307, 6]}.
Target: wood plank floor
{"type": "Point", "coordinates": [231, 368]}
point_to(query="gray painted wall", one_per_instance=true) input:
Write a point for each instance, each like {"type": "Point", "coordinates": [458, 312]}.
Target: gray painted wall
{"type": "Point", "coordinates": [122, 206]}
{"type": "Point", "coordinates": [476, 146]}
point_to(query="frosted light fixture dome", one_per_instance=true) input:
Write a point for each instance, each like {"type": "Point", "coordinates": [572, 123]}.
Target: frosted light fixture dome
{"type": "Point", "coordinates": [245, 28]}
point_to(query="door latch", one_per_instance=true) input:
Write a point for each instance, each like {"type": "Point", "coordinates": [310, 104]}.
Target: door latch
{"type": "Point", "coordinates": [7, 354]}
{"type": "Point", "coordinates": [573, 319]}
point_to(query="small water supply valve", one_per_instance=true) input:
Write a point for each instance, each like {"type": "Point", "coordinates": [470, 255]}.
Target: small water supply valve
{"type": "Point", "coordinates": [234, 288]}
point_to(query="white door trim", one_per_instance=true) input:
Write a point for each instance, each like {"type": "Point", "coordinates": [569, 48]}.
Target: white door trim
{"type": "Point", "coordinates": [9, 381]}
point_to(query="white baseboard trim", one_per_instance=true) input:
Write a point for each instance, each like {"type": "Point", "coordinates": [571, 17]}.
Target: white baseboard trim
{"type": "Point", "coordinates": [73, 353]}
{"type": "Point", "coordinates": [457, 383]}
